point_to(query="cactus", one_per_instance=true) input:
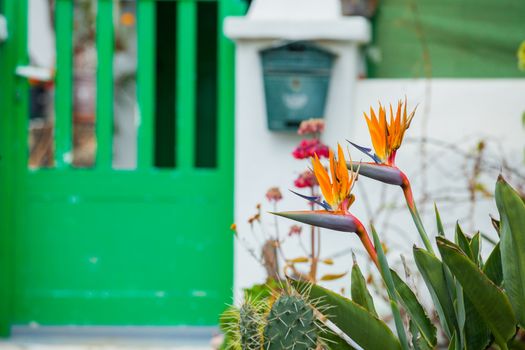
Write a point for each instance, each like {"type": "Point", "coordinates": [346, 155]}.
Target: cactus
{"type": "Point", "coordinates": [243, 325]}
{"type": "Point", "coordinates": [283, 320]}
{"type": "Point", "coordinates": [250, 327]}
{"type": "Point", "coordinates": [291, 324]}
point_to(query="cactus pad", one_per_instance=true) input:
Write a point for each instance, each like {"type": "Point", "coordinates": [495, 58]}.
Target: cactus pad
{"type": "Point", "coordinates": [250, 321]}
{"type": "Point", "coordinates": [291, 325]}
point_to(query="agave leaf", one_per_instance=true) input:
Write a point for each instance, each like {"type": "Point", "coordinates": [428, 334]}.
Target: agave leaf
{"type": "Point", "coordinates": [417, 314]}
{"type": "Point", "coordinates": [489, 301]}
{"type": "Point", "coordinates": [359, 291]}
{"type": "Point", "coordinates": [361, 326]}
{"type": "Point", "coordinates": [492, 267]}
{"type": "Point", "coordinates": [432, 271]}
{"type": "Point", "coordinates": [512, 227]}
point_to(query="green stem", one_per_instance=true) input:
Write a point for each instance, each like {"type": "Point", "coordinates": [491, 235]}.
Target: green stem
{"type": "Point", "coordinates": [409, 197]}
{"type": "Point", "coordinates": [386, 274]}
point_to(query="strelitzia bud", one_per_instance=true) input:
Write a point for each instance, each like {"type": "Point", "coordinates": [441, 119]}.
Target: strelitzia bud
{"type": "Point", "coordinates": [324, 219]}
{"type": "Point", "coordinates": [337, 221]}
{"type": "Point", "coordinates": [380, 172]}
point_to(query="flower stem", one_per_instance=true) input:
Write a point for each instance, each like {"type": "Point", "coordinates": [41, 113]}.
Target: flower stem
{"type": "Point", "coordinates": [409, 197]}
{"type": "Point", "coordinates": [313, 266]}
{"type": "Point", "coordinates": [367, 243]}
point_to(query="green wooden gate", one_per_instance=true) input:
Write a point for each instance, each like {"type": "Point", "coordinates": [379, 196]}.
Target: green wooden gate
{"type": "Point", "coordinates": [99, 246]}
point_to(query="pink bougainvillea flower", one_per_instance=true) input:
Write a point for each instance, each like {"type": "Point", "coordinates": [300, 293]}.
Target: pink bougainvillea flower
{"type": "Point", "coordinates": [309, 147]}
{"type": "Point", "coordinates": [311, 126]}
{"type": "Point", "coordinates": [306, 179]}
{"type": "Point", "coordinates": [336, 186]}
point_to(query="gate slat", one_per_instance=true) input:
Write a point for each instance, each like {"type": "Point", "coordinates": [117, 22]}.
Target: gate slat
{"type": "Point", "coordinates": [186, 65]}
{"type": "Point", "coordinates": [64, 83]}
{"type": "Point", "coordinates": [146, 82]}
{"type": "Point", "coordinates": [104, 121]}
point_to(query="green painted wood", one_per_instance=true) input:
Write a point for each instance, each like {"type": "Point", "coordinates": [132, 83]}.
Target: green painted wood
{"type": "Point", "coordinates": [226, 90]}
{"type": "Point", "coordinates": [64, 83]}
{"type": "Point", "coordinates": [447, 39]}
{"type": "Point", "coordinates": [206, 114]}
{"type": "Point", "coordinates": [7, 175]}
{"type": "Point", "coordinates": [105, 247]}
{"type": "Point", "coordinates": [186, 75]}
{"type": "Point", "coordinates": [146, 82]}
{"type": "Point", "coordinates": [165, 84]}
{"type": "Point", "coordinates": [104, 110]}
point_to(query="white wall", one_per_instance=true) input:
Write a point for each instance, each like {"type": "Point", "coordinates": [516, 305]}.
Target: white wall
{"type": "Point", "coordinates": [458, 110]}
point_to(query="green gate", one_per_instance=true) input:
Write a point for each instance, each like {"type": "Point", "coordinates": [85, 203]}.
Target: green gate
{"type": "Point", "coordinates": [101, 246]}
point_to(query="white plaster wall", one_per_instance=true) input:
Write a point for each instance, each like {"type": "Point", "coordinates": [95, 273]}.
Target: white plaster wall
{"type": "Point", "coordinates": [41, 39]}
{"type": "Point", "coordinates": [459, 110]}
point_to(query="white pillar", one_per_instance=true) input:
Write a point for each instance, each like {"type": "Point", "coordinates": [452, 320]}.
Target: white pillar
{"type": "Point", "coordinates": [262, 157]}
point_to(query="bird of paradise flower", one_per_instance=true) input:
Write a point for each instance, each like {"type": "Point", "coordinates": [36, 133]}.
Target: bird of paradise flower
{"type": "Point", "coordinates": [387, 137]}
{"type": "Point", "coordinates": [336, 187]}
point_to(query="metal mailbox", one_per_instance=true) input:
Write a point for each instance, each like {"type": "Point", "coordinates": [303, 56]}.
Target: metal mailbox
{"type": "Point", "coordinates": [296, 80]}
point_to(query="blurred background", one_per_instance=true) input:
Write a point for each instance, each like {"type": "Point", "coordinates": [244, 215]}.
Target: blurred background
{"type": "Point", "coordinates": [133, 133]}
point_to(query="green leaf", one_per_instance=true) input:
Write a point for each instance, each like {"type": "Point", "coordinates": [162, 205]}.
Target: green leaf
{"type": "Point", "coordinates": [477, 333]}
{"type": "Point", "coordinates": [418, 342]}
{"type": "Point", "coordinates": [392, 294]}
{"type": "Point", "coordinates": [417, 314]}
{"type": "Point", "coordinates": [364, 328]}
{"type": "Point", "coordinates": [459, 307]}
{"type": "Point", "coordinates": [489, 301]}
{"type": "Point", "coordinates": [359, 291]}
{"type": "Point", "coordinates": [334, 342]}
{"type": "Point", "coordinates": [492, 267]}
{"type": "Point", "coordinates": [512, 215]}
{"type": "Point", "coordinates": [463, 242]}
{"type": "Point", "coordinates": [432, 270]}
{"type": "Point", "coordinates": [454, 343]}
{"type": "Point", "coordinates": [439, 224]}
{"type": "Point", "coordinates": [475, 248]}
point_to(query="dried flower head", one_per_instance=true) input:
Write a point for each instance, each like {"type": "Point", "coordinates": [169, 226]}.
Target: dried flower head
{"type": "Point", "coordinates": [274, 194]}
{"type": "Point", "coordinates": [252, 219]}
{"type": "Point", "coordinates": [295, 230]}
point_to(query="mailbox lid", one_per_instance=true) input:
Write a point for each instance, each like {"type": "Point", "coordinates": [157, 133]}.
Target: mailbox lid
{"type": "Point", "coordinates": [298, 56]}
